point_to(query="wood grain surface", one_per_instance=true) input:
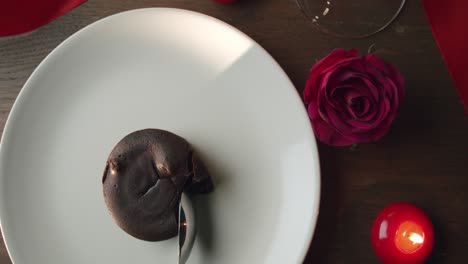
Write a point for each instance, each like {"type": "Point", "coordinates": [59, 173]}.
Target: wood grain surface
{"type": "Point", "coordinates": [422, 160]}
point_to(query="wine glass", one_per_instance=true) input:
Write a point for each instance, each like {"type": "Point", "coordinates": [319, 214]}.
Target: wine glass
{"type": "Point", "coordinates": [351, 18]}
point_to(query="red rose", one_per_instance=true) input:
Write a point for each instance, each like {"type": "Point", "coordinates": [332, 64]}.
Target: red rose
{"type": "Point", "coordinates": [352, 99]}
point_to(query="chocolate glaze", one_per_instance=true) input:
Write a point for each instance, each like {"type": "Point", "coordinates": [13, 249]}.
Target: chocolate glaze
{"type": "Point", "coordinates": [144, 177]}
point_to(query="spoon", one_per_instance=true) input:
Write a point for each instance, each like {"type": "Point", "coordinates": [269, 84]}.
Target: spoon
{"type": "Point", "coordinates": [187, 229]}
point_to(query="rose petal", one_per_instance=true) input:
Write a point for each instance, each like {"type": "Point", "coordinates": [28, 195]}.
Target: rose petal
{"type": "Point", "coordinates": [354, 78]}
{"type": "Point", "coordinates": [310, 93]}
{"type": "Point", "coordinates": [384, 126]}
{"type": "Point", "coordinates": [336, 56]}
{"type": "Point", "coordinates": [389, 71]}
{"type": "Point", "coordinates": [358, 87]}
{"type": "Point", "coordinates": [374, 128]}
{"type": "Point", "coordinates": [344, 78]}
{"type": "Point", "coordinates": [337, 120]}
{"type": "Point", "coordinates": [352, 99]}
{"type": "Point", "coordinates": [355, 104]}
{"type": "Point", "coordinates": [312, 111]}
{"type": "Point", "coordinates": [367, 84]}
{"type": "Point", "coordinates": [327, 134]}
{"type": "Point", "coordinates": [360, 107]}
{"type": "Point", "coordinates": [336, 97]}
{"type": "Point", "coordinates": [365, 114]}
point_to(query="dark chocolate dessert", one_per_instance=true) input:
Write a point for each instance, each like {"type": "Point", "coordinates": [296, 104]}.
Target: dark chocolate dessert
{"type": "Point", "coordinates": [145, 175]}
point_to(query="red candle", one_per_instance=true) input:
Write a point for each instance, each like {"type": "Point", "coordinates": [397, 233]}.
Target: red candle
{"type": "Point", "coordinates": [402, 234]}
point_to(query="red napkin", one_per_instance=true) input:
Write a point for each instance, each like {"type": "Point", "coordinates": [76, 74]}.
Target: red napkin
{"type": "Point", "coordinates": [19, 16]}
{"type": "Point", "coordinates": [449, 23]}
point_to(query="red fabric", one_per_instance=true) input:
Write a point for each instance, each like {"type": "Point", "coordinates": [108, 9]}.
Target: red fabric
{"type": "Point", "coordinates": [449, 23]}
{"type": "Point", "coordinates": [19, 16]}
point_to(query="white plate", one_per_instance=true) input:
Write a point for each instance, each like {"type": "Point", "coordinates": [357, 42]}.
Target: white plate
{"type": "Point", "coordinates": [159, 68]}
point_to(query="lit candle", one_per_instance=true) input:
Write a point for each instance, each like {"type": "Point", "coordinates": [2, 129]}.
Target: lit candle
{"type": "Point", "coordinates": [402, 234]}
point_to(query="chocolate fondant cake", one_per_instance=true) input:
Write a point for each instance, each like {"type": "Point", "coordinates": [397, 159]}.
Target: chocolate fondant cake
{"type": "Point", "coordinates": [144, 177]}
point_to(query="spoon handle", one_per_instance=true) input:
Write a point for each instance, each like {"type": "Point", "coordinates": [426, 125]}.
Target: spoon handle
{"type": "Point", "coordinates": [187, 228]}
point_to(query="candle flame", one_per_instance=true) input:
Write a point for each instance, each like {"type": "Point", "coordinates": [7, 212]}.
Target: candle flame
{"type": "Point", "coordinates": [409, 237]}
{"type": "Point", "coordinates": [416, 238]}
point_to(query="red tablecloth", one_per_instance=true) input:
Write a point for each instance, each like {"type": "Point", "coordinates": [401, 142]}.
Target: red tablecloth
{"type": "Point", "coordinates": [19, 16]}
{"type": "Point", "coordinates": [449, 23]}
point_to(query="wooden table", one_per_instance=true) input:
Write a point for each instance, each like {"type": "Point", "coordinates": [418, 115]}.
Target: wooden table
{"type": "Point", "coordinates": [424, 158]}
